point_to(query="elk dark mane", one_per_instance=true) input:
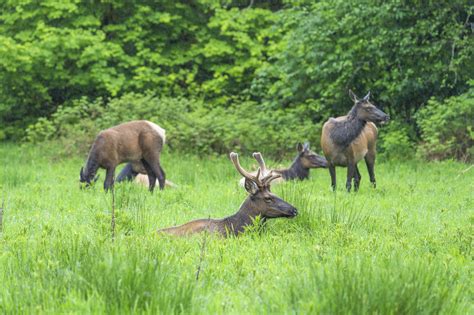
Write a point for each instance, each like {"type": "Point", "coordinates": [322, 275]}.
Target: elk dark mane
{"type": "Point", "coordinates": [92, 165]}
{"type": "Point", "coordinates": [296, 170]}
{"type": "Point", "coordinates": [346, 131]}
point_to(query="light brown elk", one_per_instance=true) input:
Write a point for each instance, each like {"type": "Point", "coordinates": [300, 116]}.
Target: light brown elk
{"type": "Point", "coordinates": [302, 164]}
{"type": "Point", "coordinates": [139, 142]}
{"type": "Point", "coordinates": [260, 202]}
{"type": "Point", "coordinates": [348, 139]}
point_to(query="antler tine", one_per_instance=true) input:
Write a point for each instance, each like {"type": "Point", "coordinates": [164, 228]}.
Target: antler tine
{"type": "Point", "coordinates": [270, 177]}
{"type": "Point", "coordinates": [258, 156]}
{"type": "Point", "coordinates": [235, 160]}
{"type": "Point", "coordinates": [266, 175]}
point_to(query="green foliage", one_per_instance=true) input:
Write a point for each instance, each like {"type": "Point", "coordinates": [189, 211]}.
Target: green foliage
{"type": "Point", "coordinates": [395, 141]}
{"type": "Point", "coordinates": [403, 53]}
{"type": "Point", "coordinates": [447, 127]}
{"type": "Point", "coordinates": [53, 53]}
{"type": "Point", "coordinates": [191, 126]}
{"type": "Point", "coordinates": [291, 60]}
{"type": "Point", "coordinates": [402, 248]}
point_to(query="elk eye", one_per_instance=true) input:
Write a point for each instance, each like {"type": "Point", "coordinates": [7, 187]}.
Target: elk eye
{"type": "Point", "coordinates": [268, 199]}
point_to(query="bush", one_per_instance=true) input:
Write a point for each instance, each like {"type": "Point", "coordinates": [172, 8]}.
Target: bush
{"type": "Point", "coordinates": [191, 126]}
{"type": "Point", "coordinates": [395, 141]}
{"type": "Point", "coordinates": [447, 127]}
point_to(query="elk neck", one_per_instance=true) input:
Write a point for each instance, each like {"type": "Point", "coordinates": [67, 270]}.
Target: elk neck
{"type": "Point", "coordinates": [296, 170]}
{"type": "Point", "coordinates": [237, 222]}
{"type": "Point", "coordinates": [92, 165]}
{"type": "Point", "coordinates": [347, 130]}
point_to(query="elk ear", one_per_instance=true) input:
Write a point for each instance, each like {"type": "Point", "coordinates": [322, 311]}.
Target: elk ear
{"type": "Point", "coordinates": [299, 147]}
{"type": "Point", "coordinates": [366, 98]}
{"type": "Point", "coordinates": [250, 186]}
{"type": "Point", "coordinates": [353, 96]}
{"type": "Point", "coordinates": [306, 146]}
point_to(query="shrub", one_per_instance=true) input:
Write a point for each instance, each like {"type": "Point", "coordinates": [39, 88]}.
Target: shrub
{"type": "Point", "coordinates": [395, 141]}
{"type": "Point", "coordinates": [447, 127]}
{"type": "Point", "coordinates": [191, 125]}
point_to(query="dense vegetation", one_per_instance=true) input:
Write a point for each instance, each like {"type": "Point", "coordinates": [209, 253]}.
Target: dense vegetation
{"type": "Point", "coordinates": [230, 70]}
{"type": "Point", "coordinates": [403, 248]}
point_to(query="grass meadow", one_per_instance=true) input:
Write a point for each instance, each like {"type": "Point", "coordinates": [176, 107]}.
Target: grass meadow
{"type": "Point", "coordinates": [402, 248]}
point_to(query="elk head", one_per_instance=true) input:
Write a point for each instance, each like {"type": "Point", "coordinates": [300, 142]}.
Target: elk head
{"type": "Point", "coordinates": [310, 159]}
{"type": "Point", "coordinates": [88, 180]}
{"type": "Point", "coordinates": [261, 200]}
{"type": "Point", "coordinates": [367, 111]}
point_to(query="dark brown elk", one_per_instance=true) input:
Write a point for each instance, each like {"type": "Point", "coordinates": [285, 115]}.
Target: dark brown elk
{"type": "Point", "coordinates": [137, 173]}
{"type": "Point", "coordinates": [348, 139]}
{"type": "Point", "coordinates": [139, 142]}
{"type": "Point", "coordinates": [260, 202]}
{"type": "Point", "coordinates": [302, 164]}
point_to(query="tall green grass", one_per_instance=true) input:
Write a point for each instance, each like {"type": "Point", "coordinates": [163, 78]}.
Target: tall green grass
{"type": "Point", "coordinates": [403, 248]}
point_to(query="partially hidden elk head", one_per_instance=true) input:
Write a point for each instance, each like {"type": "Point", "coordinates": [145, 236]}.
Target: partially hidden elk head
{"type": "Point", "coordinates": [310, 159]}
{"type": "Point", "coordinates": [88, 180]}
{"type": "Point", "coordinates": [367, 111]}
{"type": "Point", "coordinates": [261, 200]}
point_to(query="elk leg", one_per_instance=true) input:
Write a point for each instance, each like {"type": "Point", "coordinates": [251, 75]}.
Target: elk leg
{"type": "Point", "coordinates": [357, 178]}
{"type": "Point", "coordinates": [161, 178]}
{"type": "Point", "coordinates": [109, 178]}
{"type": "Point", "coordinates": [332, 172]}
{"type": "Point", "coordinates": [160, 174]}
{"type": "Point", "coordinates": [370, 162]}
{"type": "Point", "coordinates": [127, 174]}
{"type": "Point", "coordinates": [350, 175]}
{"type": "Point", "coordinates": [151, 175]}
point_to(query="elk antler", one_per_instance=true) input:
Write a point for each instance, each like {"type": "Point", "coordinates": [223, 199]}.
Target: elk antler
{"type": "Point", "coordinates": [262, 178]}
{"type": "Point", "coordinates": [263, 168]}
{"type": "Point", "coordinates": [235, 160]}
{"type": "Point", "coordinates": [267, 176]}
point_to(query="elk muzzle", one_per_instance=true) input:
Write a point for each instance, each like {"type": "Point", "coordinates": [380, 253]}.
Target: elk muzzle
{"type": "Point", "coordinates": [280, 208]}
{"type": "Point", "coordinates": [381, 117]}
{"type": "Point", "coordinates": [318, 161]}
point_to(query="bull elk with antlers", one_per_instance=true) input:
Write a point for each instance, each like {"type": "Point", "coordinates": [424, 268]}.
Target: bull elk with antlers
{"type": "Point", "coordinates": [348, 139]}
{"type": "Point", "coordinates": [260, 202]}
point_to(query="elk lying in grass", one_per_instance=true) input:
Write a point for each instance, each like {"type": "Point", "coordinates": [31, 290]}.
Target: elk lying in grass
{"type": "Point", "coordinates": [260, 202]}
{"type": "Point", "coordinates": [299, 169]}
{"type": "Point", "coordinates": [348, 139]}
{"type": "Point", "coordinates": [137, 173]}
{"type": "Point", "coordinates": [139, 142]}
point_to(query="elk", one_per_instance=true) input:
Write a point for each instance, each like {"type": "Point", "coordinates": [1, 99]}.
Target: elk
{"type": "Point", "coordinates": [348, 139]}
{"type": "Point", "coordinates": [139, 142]}
{"type": "Point", "coordinates": [260, 202]}
{"type": "Point", "coordinates": [299, 169]}
{"type": "Point", "coordinates": [137, 173]}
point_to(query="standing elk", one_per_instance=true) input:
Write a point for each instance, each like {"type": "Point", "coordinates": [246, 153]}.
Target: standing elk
{"type": "Point", "coordinates": [260, 202]}
{"type": "Point", "coordinates": [139, 142]}
{"type": "Point", "coordinates": [299, 169]}
{"type": "Point", "coordinates": [348, 139]}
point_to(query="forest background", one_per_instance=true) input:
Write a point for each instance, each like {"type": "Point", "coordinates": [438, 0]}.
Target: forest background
{"type": "Point", "coordinates": [238, 75]}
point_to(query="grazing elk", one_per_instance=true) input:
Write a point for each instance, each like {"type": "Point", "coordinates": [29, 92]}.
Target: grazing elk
{"type": "Point", "coordinates": [299, 169]}
{"type": "Point", "coordinates": [260, 202]}
{"type": "Point", "coordinates": [139, 142]}
{"type": "Point", "coordinates": [137, 173]}
{"type": "Point", "coordinates": [348, 139]}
